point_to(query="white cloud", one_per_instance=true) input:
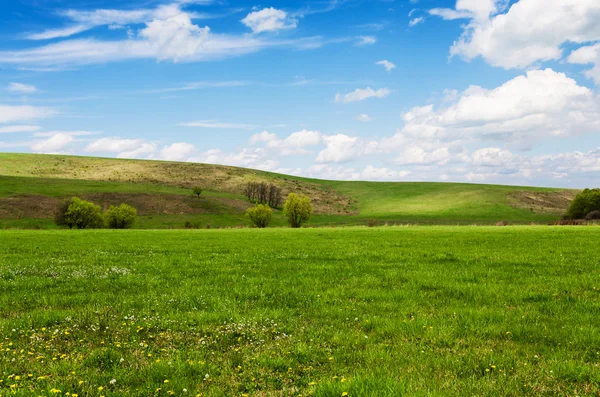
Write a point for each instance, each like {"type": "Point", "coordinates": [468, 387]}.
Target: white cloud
{"type": "Point", "coordinates": [269, 20]}
{"type": "Point", "coordinates": [177, 152]}
{"type": "Point", "coordinates": [144, 150]}
{"type": "Point", "coordinates": [55, 144]}
{"type": "Point", "coordinates": [588, 55]}
{"type": "Point", "coordinates": [19, 128]}
{"type": "Point", "coordinates": [218, 125]}
{"type": "Point", "coordinates": [389, 66]}
{"type": "Point", "coordinates": [416, 21]}
{"type": "Point", "coordinates": [366, 40]}
{"type": "Point", "coordinates": [528, 108]}
{"type": "Point", "coordinates": [256, 158]}
{"type": "Point", "coordinates": [531, 31]}
{"type": "Point", "coordinates": [21, 88]}
{"type": "Point", "coordinates": [449, 14]}
{"type": "Point", "coordinates": [173, 37]}
{"type": "Point", "coordinates": [369, 173]}
{"type": "Point", "coordinates": [342, 148]}
{"type": "Point", "coordinates": [364, 118]}
{"type": "Point", "coordinates": [296, 143]}
{"type": "Point", "coordinates": [9, 113]}
{"type": "Point", "coordinates": [59, 32]}
{"type": "Point", "coordinates": [362, 94]}
{"type": "Point", "coordinates": [113, 145]}
{"type": "Point", "coordinates": [72, 133]}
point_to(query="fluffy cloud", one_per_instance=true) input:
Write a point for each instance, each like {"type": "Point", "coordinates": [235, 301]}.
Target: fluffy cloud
{"type": "Point", "coordinates": [57, 143]}
{"type": "Point", "coordinates": [269, 20]}
{"type": "Point", "coordinates": [256, 158]}
{"type": "Point", "coordinates": [9, 113]}
{"type": "Point", "coordinates": [295, 143]}
{"type": "Point", "coordinates": [362, 94]}
{"type": "Point", "coordinates": [529, 32]}
{"type": "Point", "coordinates": [180, 151]}
{"type": "Point", "coordinates": [540, 104]}
{"type": "Point", "coordinates": [341, 148]}
{"type": "Point", "coordinates": [113, 145]}
{"type": "Point", "coordinates": [588, 55]}
{"type": "Point", "coordinates": [369, 173]}
{"type": "Point", "coordinates": [389, 66]}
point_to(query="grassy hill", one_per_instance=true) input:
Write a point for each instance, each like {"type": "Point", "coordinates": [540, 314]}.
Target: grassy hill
{"type": "Point", "coordinates": [31, 186]}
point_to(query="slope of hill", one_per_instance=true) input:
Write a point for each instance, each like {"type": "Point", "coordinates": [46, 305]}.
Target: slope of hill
{"type": "Point", "coordinates": [31, 186]}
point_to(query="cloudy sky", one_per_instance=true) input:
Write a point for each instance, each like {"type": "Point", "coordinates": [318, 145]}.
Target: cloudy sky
{"type": "Point", "coordinates": [486, 91]}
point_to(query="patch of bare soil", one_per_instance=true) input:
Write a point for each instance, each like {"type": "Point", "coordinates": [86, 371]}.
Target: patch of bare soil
{"type": "Point", "coordinates": [556, 202]}
{"type": "Point", "coordinates": [28, 207]}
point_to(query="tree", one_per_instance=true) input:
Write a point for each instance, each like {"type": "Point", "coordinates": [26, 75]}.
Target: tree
{"type": "Point", "coordinates": [263, 193]}
{"type": "Point", "coordinates": [297, 209]}
{"type": "Point", "coordinates": [121, 217]}
{"type": "Point", "coordinates": [60, 217]}
{"type": "Point", "coordinates": [197, 191]}
{"type": "Point", "coordinates": [82, 214]}
{"type": "Point", "coordinates": [584, 203]}
{"type": "Point", "coordinates": [260, 216]}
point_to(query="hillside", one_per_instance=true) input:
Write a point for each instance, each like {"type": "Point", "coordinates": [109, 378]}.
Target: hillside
{"type": "Point", "coordinates": [31, 186]}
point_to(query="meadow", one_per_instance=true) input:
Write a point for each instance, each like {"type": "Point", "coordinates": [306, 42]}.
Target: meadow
{"type": "Point", "coordinates": [33, 186]}
{"type": "Point", "coordinates": [426, 311]}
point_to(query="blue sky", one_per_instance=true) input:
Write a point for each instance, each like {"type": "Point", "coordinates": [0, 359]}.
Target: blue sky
{"type": "Point", "coordinates": [487, 91]}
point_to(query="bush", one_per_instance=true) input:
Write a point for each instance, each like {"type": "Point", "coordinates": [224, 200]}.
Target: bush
{"type": "Point", "coordinates": [297, 209]}
{"type": "Point", "coordinates": [60, 217]}
{"type": "Point", "coordinates": [121, 217]}
{"type": "Point", "coordinates": [584, 203]}
{"type": "Point", "coordinates": [593, 216]}
{"type": "Point", "coordinates": [260, 216]}
{"type": "Point", "coordinates": [197, 191]}
{"type": "Point", "coordinates": [79, 214]}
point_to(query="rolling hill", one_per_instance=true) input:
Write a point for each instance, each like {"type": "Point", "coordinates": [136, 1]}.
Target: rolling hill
{"type": "Point", "coordinates": [31, 187]}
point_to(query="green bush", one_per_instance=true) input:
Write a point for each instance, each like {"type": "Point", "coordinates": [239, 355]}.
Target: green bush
{"type": "Point", "coordinates": [121, 217]}
{"type": "Point", "coordinates": [584, 203]}
{"type": "Point", "coordinates": [197, 191]}
{"type": "Point", "coordinates": [79, 214]}
{"type": "Point", "coordinates": [260, 216]}
{"type": "Point", "coordinates": [298, 210]}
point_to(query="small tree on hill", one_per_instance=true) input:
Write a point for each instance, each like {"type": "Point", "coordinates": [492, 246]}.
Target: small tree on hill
{"type": "Point", "coordinates": [260, 216]}
{"type": "Point", "coordinates": [121, 217]}
{"type": "Point", "coordinates": [82, 214]}
{"type": "Point", "coordinates": [197, 191]}
{"type": "Point", "coordinates": [298, 210]}
{"type": "Point", "coordinates": [584, 203]}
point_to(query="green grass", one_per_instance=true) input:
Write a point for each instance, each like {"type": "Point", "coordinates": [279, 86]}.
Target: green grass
{"type": "Point", "coordinates": [430, 311]}
{"type": "Point", "coordinates": [337, 203]}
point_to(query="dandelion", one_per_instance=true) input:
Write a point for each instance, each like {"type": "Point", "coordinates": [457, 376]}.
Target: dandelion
{"type": "Point", "coordinates": [344, 394]}
{"type": "Point", "coordinates": [100, 388]}
{"type": "Point", "coordinates": [113, 381]}
{"type": "Point", "coordinates": [54, 391]}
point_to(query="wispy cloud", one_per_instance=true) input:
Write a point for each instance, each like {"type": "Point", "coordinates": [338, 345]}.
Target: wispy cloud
{"type": "Point", "coordinates": [218, 125]}
{"type": "Point", "coordinates": [199, 85]}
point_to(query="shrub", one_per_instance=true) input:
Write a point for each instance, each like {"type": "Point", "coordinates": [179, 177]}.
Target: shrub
{"type": "Point", "coordinates": [121, 217]}
{"type": "Point", "coordinates": [260, 216]}
{"type": "Point", "coordinates": [60, 217]}
{"type": "Point", "coordinates": [584, 203]}
{"type": "Point", "coordinates": [82, 214]}
{"type": "Point", "coordinates": [372, 223]}
{"type": "Point", "coordinates": [593, 216]}
{"type": "Point", "coordinates": [197, 191]}
{"type": "Point", "coordinates": [297, 209]}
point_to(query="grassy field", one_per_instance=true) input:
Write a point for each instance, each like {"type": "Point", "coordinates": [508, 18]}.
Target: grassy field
{"type": "Point", "coordinates": [429, 311]}
{"type": "Point", "coordinates": [32, 186]}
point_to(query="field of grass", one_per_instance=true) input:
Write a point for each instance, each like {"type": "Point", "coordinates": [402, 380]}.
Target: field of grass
{"type": "Point", "coordinates": [428, 311]}
{"type": "Point", "coordinates": [32, 186]}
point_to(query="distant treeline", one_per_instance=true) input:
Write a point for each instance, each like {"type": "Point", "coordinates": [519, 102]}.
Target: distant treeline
{"type": "Point", "coordinates": [263, 193]}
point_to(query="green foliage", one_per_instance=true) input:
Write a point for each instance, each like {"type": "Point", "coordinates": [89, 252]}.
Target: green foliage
{"type": "Point", "coordinates": [584, 203]}
{"type": "Point", "coordinates": [260, 216]}
{"type": "Point", "coordinates": [121, 217]}
{"type": "Point", "coordinates": [297, 209]}
{"type": "Point", "coordinates": [79, 214]}
{"type": "Point", "coordinates": [197, 191]}
{"type": "Point", "coordinates": [386, 312]}
{"type": "Point", "coordinates": [60, 216]}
